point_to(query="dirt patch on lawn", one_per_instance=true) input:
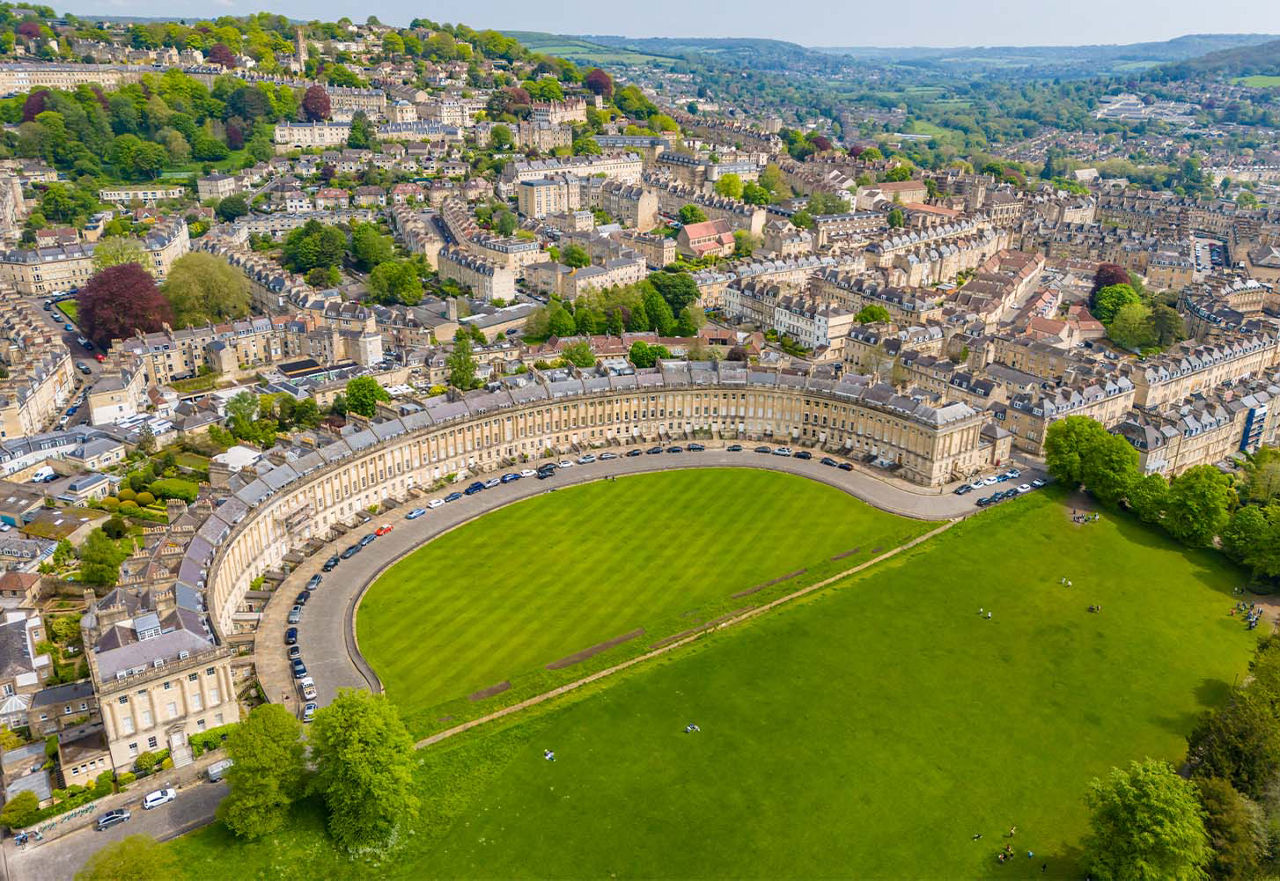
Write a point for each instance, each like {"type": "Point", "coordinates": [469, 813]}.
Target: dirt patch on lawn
{"type": "Point", "coordinates": [581, 656]}
{"type": "Point", "coordinates": [674, 638]}
{"type": "Point", "coordinates": [1078, 503]}
{"type": "Point", "coordinates": [778, 580]}
{"type": "Point", "coordinates": [490, 691]}
{"type": "Point", "coordinates": [847, 553]}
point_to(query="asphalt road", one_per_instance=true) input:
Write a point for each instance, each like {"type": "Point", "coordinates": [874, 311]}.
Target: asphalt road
{"type": "Point", "coordinates": [79, 355]}
{"type": "Point", "coordinates": [60, 858]}
{"type": "Point", "coordinates": [325, 633]}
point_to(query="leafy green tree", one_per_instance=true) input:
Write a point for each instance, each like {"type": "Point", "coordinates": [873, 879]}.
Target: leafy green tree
{"type": "Point", "coordinates": [204, 288]}
{"type": "Point", "coordinates": [314, 244]}
{"type": "Point", "coordinates": [267, 774]}
{"type": "Point", "coordinates": [19, 810]}
{"type": "Point", "coordinates": [661, 318]}
{"type": "Point", "coordinates": [1110, 468]}
{"type": "Point", "coordinates": [1067, 444]}
{"type": "Point", "coordinates": [500, 138]}
{"type": "Point", "coordinates": [641, 354]}
{"type": "Point", "coordinates": [1131, 327]}
{"type": "Point", "coordinates": [1236, 829]}
{"type": "Point", "coordinates": [1167, 325]}
{"type": "Point", "coordinates": [396, 281]}
{"type": "Point", "coordinates": [872, 313]}
{"type": "Point", "coordinates": [560, 323]}
{"type": "Point", "coordinates": [754, 194]}
{"type": "Point", "coordinates": [116, 251]}
{"type": "Point", "coordinates": [368, 246]}
{"type": "Point", "coordinates": [1146, 825]}
{"type": "Point", "coordinates": [363, 395]}
{"type": "Point", "coordinates": [1239, 742]}
{"type": "Point", "coordinates": [691, 214]}
{"type": "Point", "coordinates": [744, 243]}
{"type": "Point", "coordinates": [1252, 538]}
{"type": "Point", "coordinates": [100, 559]}
{"type": "Point", "coordinates": [579, 354]}
{"type": "Point", "coordinates": [575, 256]}
{"type": "Point", "coordinates": [1107, 301]}
{"type": "Point", "coordinates": [138, 856]}
{"type": "Point", "coordinates": [361, 135]}
{"type": "Point", "coordinates": [729, 185]}
{"type": "Point", "coordinates": [504, 222]}
{"type": "Point", "coordinates": [364, 764]}
{"type": "Point", "coordinates": [462, 365]}
{"type": "Point", "coordinates": [1149, 497]}
{"type": "Point", "coordinates": [1199, 506]}
{"type": "Point", "coordinates": [677, 288]}
{"type": "Point", "coordinates": [233, 207]}
{"type": "Point", "coordinates": [897, 220]}
{"type": "Point", "coordinates": [115, 528]}
{"type": "Point", "coordinates": [802, 219]}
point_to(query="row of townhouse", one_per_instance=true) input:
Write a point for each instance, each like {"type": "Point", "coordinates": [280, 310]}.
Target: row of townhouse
{"type": "Point", "coordinates": [815, 323]}
{"type": "Point", "coordinates": [1192, 367]}
{"type": "Point", "coordinates": [486, 279]}
{"type": "Point", "coordinates": [41, 271]}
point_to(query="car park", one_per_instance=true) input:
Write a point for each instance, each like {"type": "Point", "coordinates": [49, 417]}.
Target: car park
{"type": "Point", "coordinates": [367, 539]}
{"type": "Point", "coordinates": [587, 459]}
{"type": "Point", "coordinates": [303, 596]}
{"type": "Point", "coordinates": [765, 450]}
{"type": "Point", "coordinates": [804, 454]}
{"type": "Point", "coordinates": [453, 497]}
{"type": "Point", "coordinates": [415, 513]}
{"type": "Point", "coordinates": [653, 451]}
{"type": "Point", "coordinates": [291, 636]}
{"type": "Point", "coordinates": [113, 818]}
{"type": "Point", "coordinates": [435, 503]}
{"type": "Point", "coordinates": [158, 798]}
{"type": "Point", "coordinates": [299, 668]}
{"type": "Point", "coordinates": [350, 552]}
{"type": "Point", "coordinates": [473, 489]}
{"type": "Point", "coordinates": [733, 448]}
{"type": "Point", "coordinates": [631, 453]}
{"type": "Point", "coordinates": [510, 478]}
{"type": "Point", "coordinates": [295, 614]}
{"type": "Point", "coordinates": [309, 712]}
{"type": "Point", "coordinates": [845, 466]}
{"type": "Point", "coordinates": [604, 457]}
{"type": "Point", "coordinates": [696, 448]}
{"type": "Point", "coordinates": [527, 472]}
{"type": "Point", "coordinates": [314, 581]}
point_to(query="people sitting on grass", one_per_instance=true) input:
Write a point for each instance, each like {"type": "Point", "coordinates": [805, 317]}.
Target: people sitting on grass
{"type": "Point", "coordinates": [549, 755]}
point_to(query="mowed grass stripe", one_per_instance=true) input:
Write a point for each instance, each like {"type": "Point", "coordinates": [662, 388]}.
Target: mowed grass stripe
{"type": "Point", "coordinates": [542, 579]}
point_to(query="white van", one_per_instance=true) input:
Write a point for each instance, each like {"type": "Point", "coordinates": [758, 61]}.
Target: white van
{"type": "Point", "coordinates": [307, 686]}
{"type": "Point", "coordinates": [218, 770]}
{"type": "Point", "coordinates": [43, 474]}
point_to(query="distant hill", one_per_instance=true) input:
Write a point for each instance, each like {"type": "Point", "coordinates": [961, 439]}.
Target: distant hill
{"type": "Point", "coordinates": [758, 54]}
{"type": "Point", "coordinates": [582, 50]}
{"type": "Point", "coordinates": [1262, 59]}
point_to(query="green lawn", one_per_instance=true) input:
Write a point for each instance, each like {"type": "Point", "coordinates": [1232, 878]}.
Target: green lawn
{"type": "Point", "coordinates": [1259, 81]}
{"type": "Point", "coordinates": [869, 731]}
{"type": "Point", "coordinates": [498, 599]}
{"type": "Point", "coordinates": [69, 308]}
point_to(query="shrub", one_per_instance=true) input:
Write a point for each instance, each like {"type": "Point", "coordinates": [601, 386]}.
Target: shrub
{"type": "Point", "coordinates": [110, 503]}
{"type": "Point", "coordinates": [146, 762]}
{"type": "Point", "coordinates": [125, 779]}
{"type": "Point", "coordinates": [145, 498]}
{"type": "Point", "coordinates": [104, 784]}
{"type": "Point", "coordinates": [116, 527]}
{"type": "Point", "coordinates": [203, 741]}
{"type": "Point", "coordinates": [126, 495]}
{"type": "Point", "coordinates": [166, 764]}
{"type": "Point", "coordinates": [129, 507]}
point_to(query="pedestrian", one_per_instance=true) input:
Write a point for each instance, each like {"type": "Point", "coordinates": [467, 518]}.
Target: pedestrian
{"type": "Point", "coordinates": [1044, 868]}
{"type": "Point", "coordinates": [976, 836]}
{"type": "Point", "coordinates": [988, 616]}
{"type": "Point", "coordinates": [1013, 830]}
{"type": "Point", "coordinates": [1030, 854]}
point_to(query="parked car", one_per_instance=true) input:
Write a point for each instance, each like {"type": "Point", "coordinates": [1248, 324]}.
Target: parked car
{"type": "Point", "coordinates": [510, 477]}
{"type": "Point", "coordinates": [963, 488]}
{"type": "Point", "coordinates": [218, 770]}
{"type": "Point", "coordinates": [1013, 472]}
{"type": "Point", "coordinates": [544, 473]}
{"type": "Point", "coordinates": [113, 818]}
{"type": "Point", "coordinates": [733, 448]}
{"type": "Point", "coordinates": [473, 489]}
{"type": "Point", "coordinates": [764, 450]}
{"type": "Point", "coordinates": [631, 453]}
{"type": "Point", "coordinates": [291, 636]}
{"type": "Point", "coordinates": [159, 797]}
{"type": "Point", "coordinates": [1037, 483]}
{"type": "Point", "coordinates": [299, 668]}
{"type": "Point", "coordinates": [492, 482]}
{"type": "Point", "coordinates": [696, 448]}
{"type": "Point", "coordinates": [653, 451]}
{"type": "Point", "coordinates": [415, 513]}
{"type": "Point", "coordinates": [453, 497]}
{"type": "Point", "coordinates": [303, 596]}
{"type": "Point", "coordinates": [435, 503]}
{"type": "Point", "coordinates": [331, 563]}
{"type": "Point", "coordinates": [564, 463]}
{"type": "Point", "coordinates": [828, 461]}
{"type": "Point", "coordinates": [314, 581]}
{"type": "Point", "coordinates": [587, 459]}
{"type": "Point", "coordinates": [68, 327]}
{"type": "Point", "coordinates": [675, 449]}
{"type": "Point", "coordinates": [309, 712]}
{"type": "Point", "coordinates": [367, 539]}
{"type": "Point", "coordinates": [83, 368]}
{"type": "Point", "coordinates": [984, 501]}
{"type": "Point", "coordinates": [990, 481]}
{"type": "Point", "coordinates": [308, 688]}
{"type": "Point", "coordinates": [527, 472]}
{"type": "Point", "coordinates": [350, 552]}
{"type": "Point", "coordinates": [604, 457]}
{"type": "Point", "coordinates": [845, 466]}
{"type": "Point", "coordinates": [1024, 487]}
{"type": "Point", "coordinates": [804, 454]}
{"type": "Point", "coordinates": [782, 451]}
{"type": "Point", "coordinates": [295, 652]}
{"type": "Point", "coordinates": [295, 614]}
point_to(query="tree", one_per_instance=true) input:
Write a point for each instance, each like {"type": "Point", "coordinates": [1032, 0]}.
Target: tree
{"type": "Point", "coordinates": [1146, 825]}
{"type": "Point", "coordinates": [598, 82]}
{"type": "Point", "coordinates": [233, 207]}
{"type": "Point", "coordinates": [1110, 467]}
{"type": "Point", "coordinates": [754, 194]}
{"type": "Point", "coordinates": [691, 214]}
{"type": "Point", "coordinates": [361, 135]}
{"type": "Point", "coordinates": [120, 301]}
{"type": "Point", "coordinates": [642, 354]}
{"type": "Point", "coordinates": [368, 246]}
{"type": "Point", "coordinates": [1106, 302]}
{"type": "Point", "coordinates": [115, 528]}
{"type": "Point", "coordinates": [462, 365]}
{"type": "Point", "coordinates": [1167, 325]}
{"type": "Point", "coordinates": [1200, 501]}
{"type": "Point", "coordinates": [802, 219]}
{"type": "Point", "coordinates": [1067, 444]}
{"type": "Point", "coordinates": [560, 322]}
{"type": "Point", "coordinates": [100, 559]}
{"type": "Point", "coordinates": [579, 354]}
{"type": "Point", "coordinates": [396, 281]}
{"type": "Point", "coordinates": [1236, 830]}
{"type": "Point", "coordinates": [19, 810]}
{"type": "Point", "coordinates": [575, 256]}
{"type": "Point", "coordinates": [897, 220]}
{"type": "Point", "coordinates": [661, 318]}
{"type": "Point", "coordinates": [117, 251]}
{"type": "Point", "coordinates": [744, 243]}
{"type": "Point", "coordinates": [1131, 327]}
{"type": "Point", "coordinates": [677, 288]}
{"type": "Point", "coordinates": [1239, 742]}
{"type": "Point", "coordinates": [364, 764]}
{"type": "Point", "coordinates": [269, 761]}
{"type": "Point", "coordinates": [500, 138]}
{"type": "Point", "coordinates": [205, 289]}
{"type": "Point", "coordinates": [729, 185]}
{"type": "Point", "coordinates": [1149, 497]}
{"type": "Point", "coordinates": [221, 54]}
{"type": "Point", "coordinates": [363, 395]}
{"type": "Point", "coordinates": [1252, 537]}
{"type": "Point", "coordinates": [504, 222]}
{"type": "Point", "coordinates": [872, 313]}
{"type": "Point", "coordinates": [138, 856]}
{"type": "Point", "coordinates": [316, 104]}
{"type": "Point", "coordinates": [314, 244]}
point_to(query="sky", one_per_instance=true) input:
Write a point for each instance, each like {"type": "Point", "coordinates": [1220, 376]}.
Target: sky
{"type": "Point", "coordinates": [809, 22]}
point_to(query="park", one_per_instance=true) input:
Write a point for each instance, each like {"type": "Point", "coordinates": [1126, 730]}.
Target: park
{"type": "Point", "coordinates": [871, 728]}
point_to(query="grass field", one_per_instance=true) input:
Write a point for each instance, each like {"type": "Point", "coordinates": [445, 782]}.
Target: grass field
{"type": "Point", "coordinates": [868, 731]}
{"type": "Point", "coordinates": [69, 308]}
{"type": "Point", "coordinates": [532, 583]}
{"type": "Point", "coordinates": [1259, 82]}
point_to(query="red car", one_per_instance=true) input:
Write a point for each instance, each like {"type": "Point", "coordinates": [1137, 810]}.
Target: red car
{"type": "Point", "coordinates": [101, 357]}
{"type": "Point", "coordinates": [383, 529]}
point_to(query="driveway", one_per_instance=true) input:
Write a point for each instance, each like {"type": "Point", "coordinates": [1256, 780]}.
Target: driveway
{"type": "Point", "coordinates": [326, 633]}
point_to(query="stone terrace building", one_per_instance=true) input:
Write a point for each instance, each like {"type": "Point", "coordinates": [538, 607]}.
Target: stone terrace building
{"type": "Point", "coordinates": [1191, 368]}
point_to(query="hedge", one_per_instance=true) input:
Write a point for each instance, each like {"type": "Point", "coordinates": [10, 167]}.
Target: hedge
{"type": "Point", "coordinates": [175, 488]}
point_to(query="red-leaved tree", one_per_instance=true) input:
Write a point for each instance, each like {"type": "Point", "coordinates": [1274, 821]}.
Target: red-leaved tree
{"type": "Point", "coordinates": [599, 82]}
{"type": "Point", "coordinates": [220, 53]}
{"type": "Point", "coordinates": [315, 104]}
{"type": "Point", "coordinates": [235, 136]}
{"type": "Point", "coordinates": [30, 30]}
{"type": "Point", "coordinates": [1108, 274]}
{"type": "Point", "coordinates": [119, 301]}
{"type": "Point", "coordinates": [37, 102]}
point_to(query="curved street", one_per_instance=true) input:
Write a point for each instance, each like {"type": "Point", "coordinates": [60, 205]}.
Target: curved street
{"type": "Point", "coordinates": [326, 634]}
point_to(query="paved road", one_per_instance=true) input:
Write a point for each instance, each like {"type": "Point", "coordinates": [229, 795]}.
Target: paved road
{"type": "Point", "coordinates": [325, 634]}
{"type": "Point", "coordinates": [59, 859]}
